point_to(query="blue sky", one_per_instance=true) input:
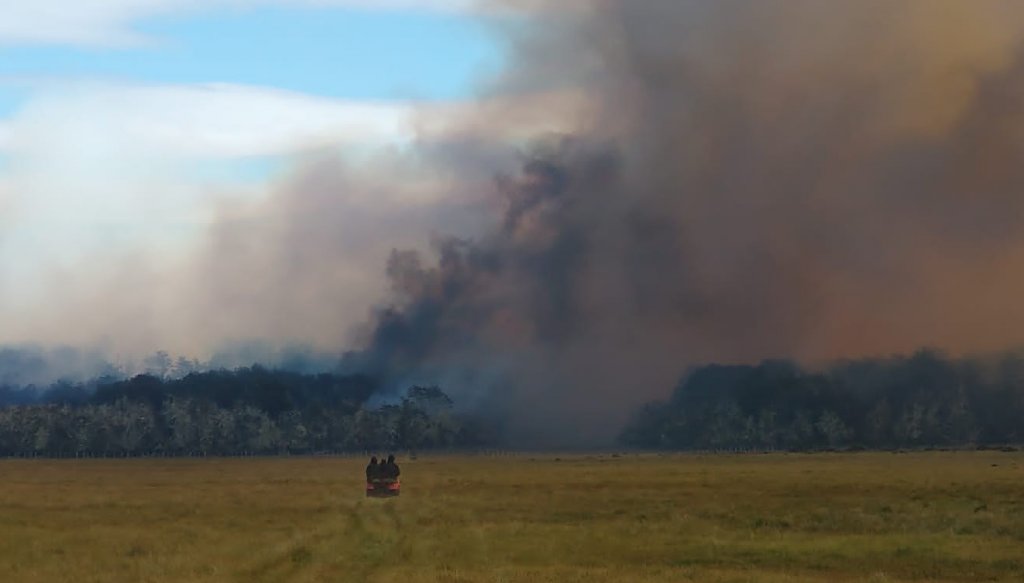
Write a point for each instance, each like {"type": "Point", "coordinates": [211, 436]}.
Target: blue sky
{"type": "Point", "coordinates": [235, 86]}
{"type": "Point", "coordinates": [281, 51]}
{"type": "Point", "coordinates": [341, 52]}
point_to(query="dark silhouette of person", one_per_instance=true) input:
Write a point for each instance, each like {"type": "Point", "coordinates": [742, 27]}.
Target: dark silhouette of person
{"type": "Point", "coordinates": [373, 470]}
{"type": "Point", "coordinates": [390, 469]}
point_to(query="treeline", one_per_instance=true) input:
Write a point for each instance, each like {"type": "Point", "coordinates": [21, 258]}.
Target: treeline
{"type": "Point", "coordinates": [24, 366]}
{"type": "Point", "coordinates": [246, 411]}
{"type": "Point", "coordinates": [924, 400]}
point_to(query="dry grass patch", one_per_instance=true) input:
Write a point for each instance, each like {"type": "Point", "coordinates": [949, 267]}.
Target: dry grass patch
{"type": "Point", "coordinates": [831, 517]}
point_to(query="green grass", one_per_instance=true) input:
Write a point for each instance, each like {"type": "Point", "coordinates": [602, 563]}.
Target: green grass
{"type": "Point", "coordinates": [831, 517]}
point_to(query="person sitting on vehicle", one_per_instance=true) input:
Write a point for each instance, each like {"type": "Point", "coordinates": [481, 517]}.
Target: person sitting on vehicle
{"type": "Point", "coordinates": [373, 470]}
{"type": "Point", "coordinates": [389, 469]}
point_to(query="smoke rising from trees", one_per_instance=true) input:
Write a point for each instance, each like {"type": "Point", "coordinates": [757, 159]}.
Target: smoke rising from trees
{"type": "Point", "coordinates": [751, 180]}
{"type": "Point", "coordinates": [729, 181]}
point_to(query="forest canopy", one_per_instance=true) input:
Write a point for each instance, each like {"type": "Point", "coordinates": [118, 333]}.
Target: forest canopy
{"type": "Point", "coordinates": [245, 411]}
{"type": "Point", "coordinates": [923, 400]}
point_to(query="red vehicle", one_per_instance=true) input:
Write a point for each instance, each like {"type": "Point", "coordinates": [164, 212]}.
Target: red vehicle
{"type": "Point", "coordinates": [383, 488]}
{"type": "Point", "coordinates": [382, 479]}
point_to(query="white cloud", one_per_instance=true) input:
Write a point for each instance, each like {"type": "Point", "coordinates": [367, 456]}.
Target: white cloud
{"type": "Point", "coordinates": [210, 120]}
{"type": "Point", "coordinates": [109, 23]}
{"type": "Point", "coordinates": [110, 165]}
{"type": "Point", "coordinates": [95, 152]}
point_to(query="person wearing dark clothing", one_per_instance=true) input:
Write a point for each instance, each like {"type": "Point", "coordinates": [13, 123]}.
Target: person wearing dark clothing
{"type": "Point", "coordinates": [373, 470]}
{"type": "Point", "coordinates": [390, 469]}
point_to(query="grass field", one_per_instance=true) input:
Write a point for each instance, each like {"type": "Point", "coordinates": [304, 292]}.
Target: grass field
{"type": "Point", "coordinates": [943, 516]}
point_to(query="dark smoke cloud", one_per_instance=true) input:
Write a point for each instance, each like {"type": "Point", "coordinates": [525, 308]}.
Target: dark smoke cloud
{"type": "Point", "coordinates": [748, 180]}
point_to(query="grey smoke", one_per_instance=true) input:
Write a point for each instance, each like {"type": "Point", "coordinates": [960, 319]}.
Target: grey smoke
{"type": "Point", "coordinates": [730, 181]}
{"type": "Point", "coordinates": [39, 366]}
{"type": "Point", "coordinates": [754, 180]}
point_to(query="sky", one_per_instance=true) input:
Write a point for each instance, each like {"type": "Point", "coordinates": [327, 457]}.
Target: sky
{"type": "Point", "coordinates": [292, 71]}
{"type": "Point", "coordinates": [123, 122]}
{"type": "Point", "coordinates": [357, 53]}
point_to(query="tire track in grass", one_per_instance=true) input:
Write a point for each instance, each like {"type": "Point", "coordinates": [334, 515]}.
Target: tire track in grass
{"type": "Point", "coordinates": [292, 556]}
{"type": "Point", "coordinates": [366, 535]}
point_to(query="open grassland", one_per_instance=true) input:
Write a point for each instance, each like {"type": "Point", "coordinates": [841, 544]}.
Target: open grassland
{"type": "Point", "coordinates": [943, 516]}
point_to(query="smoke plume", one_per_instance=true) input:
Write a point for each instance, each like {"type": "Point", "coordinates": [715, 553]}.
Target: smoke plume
{"type": "Point", "coordinates": [676, 182]}
{"type": "Point", "coordinates": [746, 180]}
